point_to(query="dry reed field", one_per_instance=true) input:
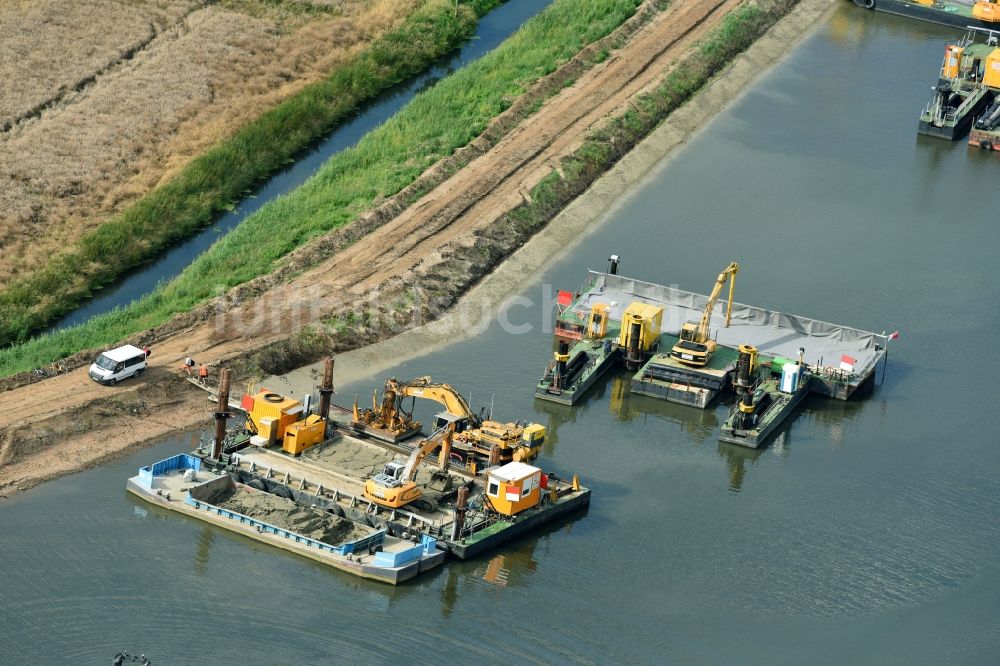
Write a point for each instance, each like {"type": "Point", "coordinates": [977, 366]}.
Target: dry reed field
{"type": "Point", "coordinates": [131, 91]}
{"type": "Point", "coordinates": [49, 47]}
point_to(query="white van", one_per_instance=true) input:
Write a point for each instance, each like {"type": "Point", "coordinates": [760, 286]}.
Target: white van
{"type": "Point", "coordinates": [113, 366]}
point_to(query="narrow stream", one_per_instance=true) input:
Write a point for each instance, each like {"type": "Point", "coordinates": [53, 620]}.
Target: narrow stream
{"type": "Point", "coordinates": [492, 29]}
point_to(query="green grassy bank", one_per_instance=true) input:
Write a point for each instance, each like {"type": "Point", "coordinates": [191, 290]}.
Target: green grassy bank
{"type": "Point", "coordinates": [599, 152]}
{"type": "Point", "coordinates": [434, 124]}
{"type": "Point", "coordinates": [213, 181]}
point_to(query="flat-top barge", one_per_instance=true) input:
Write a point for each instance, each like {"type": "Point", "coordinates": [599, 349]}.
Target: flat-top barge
{"type": "Point", "coordinates": [686, 350]}
{"type": "Point", "coordinates": [299, 481]}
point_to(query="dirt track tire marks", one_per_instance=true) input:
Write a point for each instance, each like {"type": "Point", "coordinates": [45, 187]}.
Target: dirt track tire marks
{"type": "Point", "coordinates": [497, 181]}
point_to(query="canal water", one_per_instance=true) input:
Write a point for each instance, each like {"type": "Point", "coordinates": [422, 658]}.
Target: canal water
{"type": "Point", "coordinates": [491, 30]}
{"type": "Point", "coordinates": [866, 533]}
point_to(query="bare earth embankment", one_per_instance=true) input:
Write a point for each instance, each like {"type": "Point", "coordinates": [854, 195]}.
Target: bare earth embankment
{"type": "Point", "coordinates": [103, 100]}
{"type": "Point", "coordinates": [441, 243]}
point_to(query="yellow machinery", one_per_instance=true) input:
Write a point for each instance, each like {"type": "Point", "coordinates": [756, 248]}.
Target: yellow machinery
{"type": "Point", "coordinates": [493, 441]}
{"type": "Point", "coordinates": [386, 415]}
{"type": "Point", "coordinates": [304, 434]}
{"type": "Point", "coordinates": [514, 488]}
{"type": "Point", "coordinates": [991, 72]}
{"type": "Point", "coordinates": [965, 61]}
{"type": "Point", "coordinates": [597, 325]}
{"type": "Point", "coordinates": [952, 61]}
{"type": "Point", "coordinates": [275, 419]}
{"type": "Point", "coordinates": [640, 331]}
{"type": "Point", "coordinates": [695, 346]}
{"type": "Point", "coordinates": [395, 485]}
{"type": "Point", "coordinates": [987, 10]}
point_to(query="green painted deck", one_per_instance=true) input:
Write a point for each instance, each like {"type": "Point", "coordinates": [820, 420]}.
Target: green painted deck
{"type": "Point", "coordinates": [487, 532]}
{"type": "Point", "coordinates": [716, 366]}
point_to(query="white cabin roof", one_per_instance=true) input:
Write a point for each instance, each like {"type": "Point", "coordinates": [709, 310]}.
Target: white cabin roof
{"type": "Point", "coordinates": [514, 471]}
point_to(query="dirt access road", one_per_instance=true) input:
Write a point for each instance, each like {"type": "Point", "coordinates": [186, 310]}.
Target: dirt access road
{"type": "Point", "coordinates": [67, 422]}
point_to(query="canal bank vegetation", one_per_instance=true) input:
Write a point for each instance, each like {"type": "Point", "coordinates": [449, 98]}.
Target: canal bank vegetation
{"type": "Point", "coordinates": [466, 264]}
{"type": "Point", "coordinates": [57, 173]}
{"type": "Point", "coordinates": [436, 123]}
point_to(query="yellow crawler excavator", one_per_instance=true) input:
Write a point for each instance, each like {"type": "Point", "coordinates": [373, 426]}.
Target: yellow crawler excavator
{"type": "Point", "coordinates": [482, 439]}
{"type": "Point", "coordinates": [696, 346]}
{"type": "Point", "coordinates": [395, 485]}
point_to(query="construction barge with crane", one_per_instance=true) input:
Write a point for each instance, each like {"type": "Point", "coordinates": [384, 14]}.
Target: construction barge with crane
{"type": "Point", "coordinates": [953, 13]}
{"type": "Point", "coordinates": [356, 493]}
{"type": "Point", "coordinates": [684, 349]}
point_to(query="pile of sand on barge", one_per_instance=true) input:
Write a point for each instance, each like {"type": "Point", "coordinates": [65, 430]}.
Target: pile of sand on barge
{"type": "Point", "coordinates": [286, 514]}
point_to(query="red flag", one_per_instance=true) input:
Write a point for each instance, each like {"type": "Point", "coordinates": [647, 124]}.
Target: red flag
{"type": "Point", "coordinates": [565, 298]}
{"type": "Point", "coordinates": [894, 335]}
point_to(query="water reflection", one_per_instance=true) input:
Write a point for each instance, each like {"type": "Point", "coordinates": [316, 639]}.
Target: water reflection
{"type": "Point", "coordinates": [737, 458]}
{"type": "Point", "coordinates": [701, 424]}
{"type": "Point", "coordinates": [513, 565]}
{"type": "Point", "coordinates": [205, 540]}
{"type": "Point", "coordinates": [557, 415]}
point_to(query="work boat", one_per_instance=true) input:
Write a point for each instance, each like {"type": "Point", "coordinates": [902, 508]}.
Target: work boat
{"type": "Point", "coordinates": [967, 84]}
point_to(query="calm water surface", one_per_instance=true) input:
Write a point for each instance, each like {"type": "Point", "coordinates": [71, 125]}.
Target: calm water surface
{"type": "Point", "coordinates": [866, 533]}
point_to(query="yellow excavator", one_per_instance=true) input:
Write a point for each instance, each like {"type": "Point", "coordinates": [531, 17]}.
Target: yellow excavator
{"type": "Point", "coordinates": [395, 485]}
{"type": "Point", "coordinates": [985, 10]}
{"type": "Point", "coordinates": [696, 346]}
{"type": "Point", "coordinates": [473, 436]}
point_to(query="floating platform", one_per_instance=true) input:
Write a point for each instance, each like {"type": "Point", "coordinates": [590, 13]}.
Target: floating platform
{"type": "Point", "coordinates": [943, 12]}
{"type": "Point", "coordinates": [774, 334]}
{"type": "Point", "coordinates": [330, 470]}
{"type": "Point", "coordinates": [954, 118]}
{"type": "Point", "coordinates": [327, 480]}
{"type": "Point", "coordinates": [479, 538]}
{"type": "Point", "coordinates": [664, 377]}
{"type": "Point", "coordinates": [985, 132]}
{"type": "Point", "coordinates": [589, 360]}
{"type": "Point", "coordinates": [779, 406]}
{"type": "Point", "coordinates": [181, 484]}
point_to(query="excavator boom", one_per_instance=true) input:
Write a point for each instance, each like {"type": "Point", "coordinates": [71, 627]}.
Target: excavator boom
{"type": "Point", "coordinates": [440, 437]}
{"type": "Point", "coordinates": [695, 346]}
{"type": "Point", "coordinates": [704, 327]}
{"type": "Point", "coordinates": [443, 394]}
{"type": "Point", "coordinates": [395, 487]}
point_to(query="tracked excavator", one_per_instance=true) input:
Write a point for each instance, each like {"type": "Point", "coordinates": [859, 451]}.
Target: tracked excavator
{"type": "Point", "coordinates": [395, 485]}
{"type": "Point", "coordinates": [483, 440]}
{"type": "Point", "coordinates": [696, 346]}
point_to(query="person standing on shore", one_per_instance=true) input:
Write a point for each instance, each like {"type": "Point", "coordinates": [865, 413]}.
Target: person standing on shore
{"type": "Point", "coordinates": [187, 365]}
{"type": "Point", "coordinates": [203, 374]}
